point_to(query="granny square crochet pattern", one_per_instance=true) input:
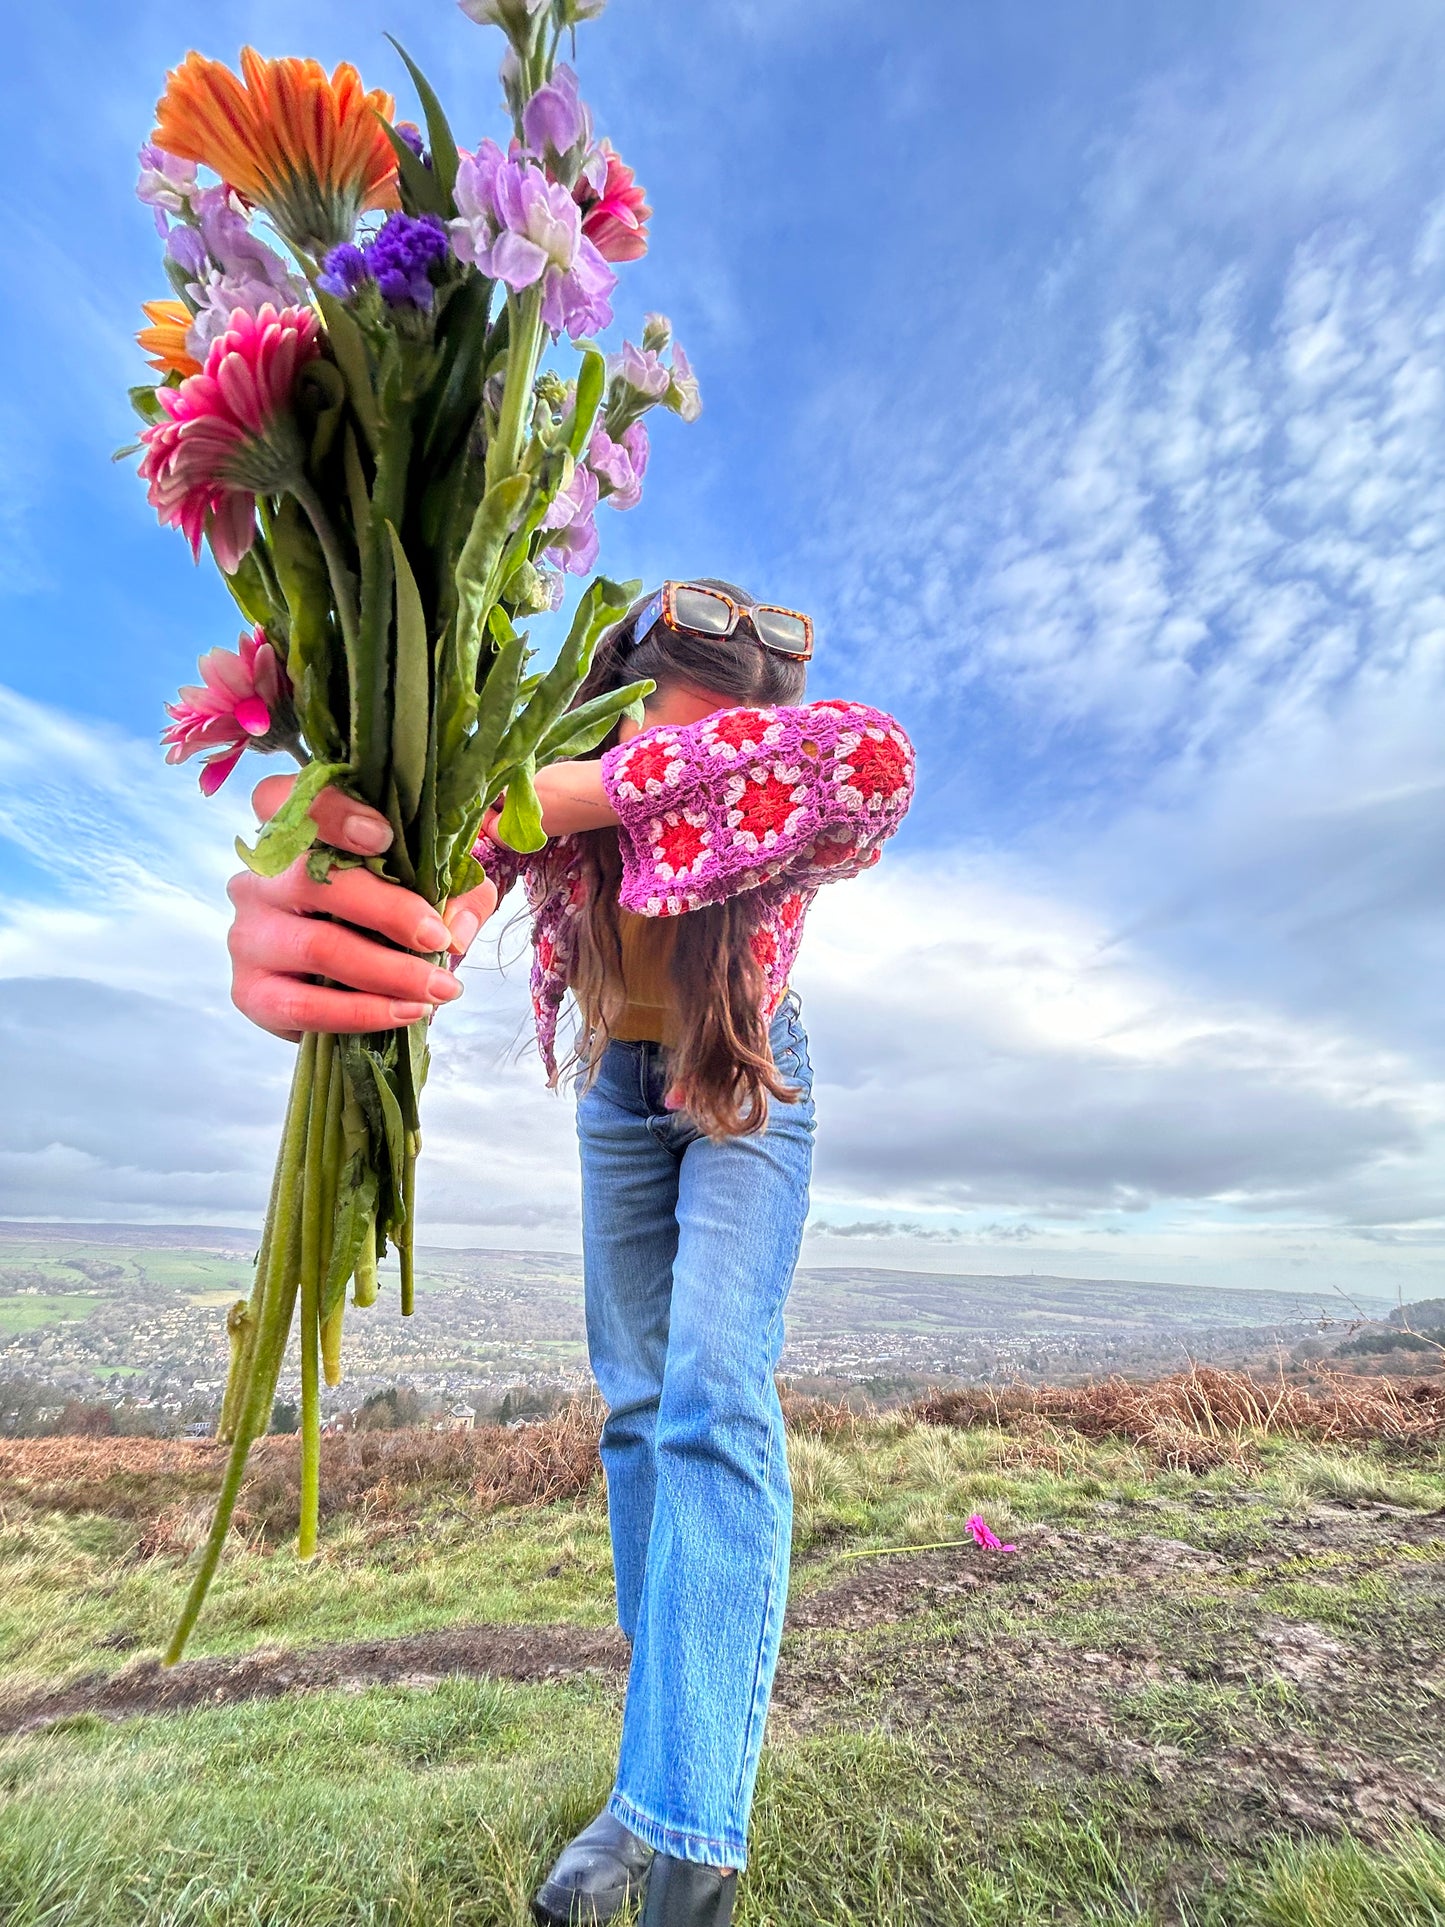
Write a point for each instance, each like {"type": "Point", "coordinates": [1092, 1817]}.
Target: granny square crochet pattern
{"type": "Point", "coordinates": [775, 800]}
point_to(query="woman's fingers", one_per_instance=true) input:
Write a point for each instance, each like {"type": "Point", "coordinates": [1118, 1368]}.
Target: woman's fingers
{"type": "Point", "coordinates": [340, 820]}
{"type": "Point", "coordinates": [273, 942]}
{"type": "Point", "coordinates": [289, 1008]}
{"type": "Point", "coordinates": [269, 794]}
{"type": "Point", "coordinates": [354, 896]}
{"type": "Point", "coordinates": [466, 914]}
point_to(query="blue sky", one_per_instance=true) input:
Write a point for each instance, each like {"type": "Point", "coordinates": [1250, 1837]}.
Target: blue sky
{"type": "Point", "coordinates": [1082, 369]}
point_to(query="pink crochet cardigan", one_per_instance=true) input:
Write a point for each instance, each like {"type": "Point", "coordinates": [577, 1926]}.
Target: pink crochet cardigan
{"type": "Point", "coordinates": [779, 800]}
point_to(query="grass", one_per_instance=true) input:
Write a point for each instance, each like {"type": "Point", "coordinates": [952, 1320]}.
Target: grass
{"type": "Point", "coordinates": [1101, 1730]}
{"type": "Point", "coordinates": [23, 1314]}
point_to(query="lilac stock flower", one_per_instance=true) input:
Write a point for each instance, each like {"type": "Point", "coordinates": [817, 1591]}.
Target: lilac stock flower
{"type": "Point", "coordinates": [572, 515]}
{"type": "Point", "coordinates": [642, 369]}
{"type": "Point", "coordinates": [519, 227]}
{"type": "Point", "coordinates": [227, 267]}
{"type": "Point", "coordinates": [512, 15]}
{"type": "Point", "coordinates": [401, 260]}
{"type": "Point", "coordinates": [166, 183]}
{"type": "Point", "coordinates": [651, 379]}
{"type": "Point", "coordinates": [621, 464]}
{"type": "Point", "coordinates": [683, 396]}
{"type": "Point", "coordinates": [554, 587]}
{"type": "Point", "coordinates": [185, 247]}
{"type": "Point", "coordinates": [556, 120]}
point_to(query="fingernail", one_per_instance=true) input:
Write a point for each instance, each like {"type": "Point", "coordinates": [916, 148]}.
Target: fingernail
{"type": "Point", "coordinates": [367, 834]}
{"type": "Point", "coordinates": [432, 934]}
{"type": "Point", "coordinates": [464, 928]}
{"type": "Point", "coordinates": [409, 1013]}
{"type": "Point", "coordinates": [443, 986]}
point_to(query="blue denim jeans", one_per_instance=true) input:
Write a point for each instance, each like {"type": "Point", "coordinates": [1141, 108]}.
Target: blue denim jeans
{"type": "Point", "coordinates": [689, 1247]}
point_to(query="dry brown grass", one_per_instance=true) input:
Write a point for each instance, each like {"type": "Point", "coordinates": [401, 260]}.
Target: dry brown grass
{"type": "Point", "coordinates": [1206, 1416]}
{"type": "Point", "coordinates": [381, 1475]}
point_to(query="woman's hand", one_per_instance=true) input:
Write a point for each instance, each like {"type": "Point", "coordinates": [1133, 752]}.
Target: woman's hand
{"type": "Point", "coordinates": [280, 939]}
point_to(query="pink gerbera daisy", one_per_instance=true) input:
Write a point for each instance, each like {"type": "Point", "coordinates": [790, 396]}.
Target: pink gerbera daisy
{"type": "Point", "coordinates": [244, 696]}
{"type": "Point", "coordinates": [229, 434]}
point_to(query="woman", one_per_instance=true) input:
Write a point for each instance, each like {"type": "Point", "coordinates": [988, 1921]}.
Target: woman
{"type": "Point", "coordinates": [669, 900]}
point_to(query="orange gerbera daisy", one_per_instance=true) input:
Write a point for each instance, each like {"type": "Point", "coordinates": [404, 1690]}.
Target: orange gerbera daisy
{"type": "Point", "coordinates": [164, 341]}
{"type": "Point", "coordinates": [307, 147]}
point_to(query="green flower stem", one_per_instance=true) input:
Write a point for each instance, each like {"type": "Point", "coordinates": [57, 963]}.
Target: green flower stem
{"type": "Point", "coordinates": [312, 1193]}
{"type": "Point", "coordinates": [523, 353]}
{"type": "Point", "coordinates": [274, 1322]}
{"type": "Point", "coordinates": [405, 1237]}
{"type": "Point", "coordinates": [335, 1158]}
{"type": "Point", "coordinates": [238, 1379]}
{"type": "Point", "coordinates": [343, 582]}
{"type": "Point", "coordinates": [371, 694]}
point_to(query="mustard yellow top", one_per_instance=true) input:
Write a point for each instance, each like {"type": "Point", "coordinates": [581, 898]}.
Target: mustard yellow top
{"type": "Point", "coordinates": [649, 1015]}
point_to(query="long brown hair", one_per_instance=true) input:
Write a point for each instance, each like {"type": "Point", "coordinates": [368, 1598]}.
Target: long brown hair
{"type": "Point", "coordinates": [721, 1059]}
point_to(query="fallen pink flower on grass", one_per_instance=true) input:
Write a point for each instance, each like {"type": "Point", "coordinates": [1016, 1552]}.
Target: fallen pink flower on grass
{"type": "Point", "coordinates": [983, 1535]}
{"type": "Point", "coordinates": [245, 694]}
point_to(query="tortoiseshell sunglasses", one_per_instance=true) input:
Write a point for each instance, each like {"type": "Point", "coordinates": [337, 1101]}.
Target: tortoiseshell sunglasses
{"type": "Point", "coordinates": [710, 615]}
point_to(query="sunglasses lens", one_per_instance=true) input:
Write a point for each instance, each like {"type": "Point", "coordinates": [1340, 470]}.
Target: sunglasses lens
{"type": "Point", "coordinates": [784, 630]}
{"type": "Point", "coordinates": [699, 609]}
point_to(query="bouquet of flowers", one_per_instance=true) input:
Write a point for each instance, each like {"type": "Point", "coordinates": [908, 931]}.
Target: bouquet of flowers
{"type": "Point", "coordinates": [365, 418]}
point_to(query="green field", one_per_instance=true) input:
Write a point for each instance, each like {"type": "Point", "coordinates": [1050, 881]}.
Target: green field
{"type": "Point", "coordinates": [31, 1312]}
{"type": "Point", "coordinates": [1208, 1698]}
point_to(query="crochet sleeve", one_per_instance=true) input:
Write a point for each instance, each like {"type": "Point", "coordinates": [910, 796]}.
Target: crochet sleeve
{"type": "Point", "coordinates": [502, 865]}
{"type": "Point", "coordinates": [750, 796]}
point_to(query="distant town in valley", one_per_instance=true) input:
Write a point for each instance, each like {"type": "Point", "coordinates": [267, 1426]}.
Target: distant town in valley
{"type": "Point", "coordinates": [123, 1327]}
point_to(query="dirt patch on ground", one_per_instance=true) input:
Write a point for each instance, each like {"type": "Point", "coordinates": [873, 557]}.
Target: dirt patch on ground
{"type": "Point", "coordinates": [525, 1653]}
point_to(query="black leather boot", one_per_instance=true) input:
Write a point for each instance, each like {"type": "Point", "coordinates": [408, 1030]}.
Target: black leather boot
{"type": "Point", "coordinates": [594, 1877]}
{"type": "Point", "coordinates": [681, 1893]}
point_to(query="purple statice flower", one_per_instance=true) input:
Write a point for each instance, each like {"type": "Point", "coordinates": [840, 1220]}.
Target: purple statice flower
{"type": "Point", "coordinates": [556, 121]}
{"type": "Point", "coordinates": [343, 272]}
{"type": "Point", "coordinates": [621, 464]}
{"type": "Point", "coordinates": [572, 516]}
{"type": "Point", "coordinates": [405, 258]}
{"type": "Point", "coordinates": [166, 183]}
{"type": "Point", "coordinates": [408, 131]}
{"type": "Point", "coordinates": [400, 261]}
{"type": "Point", "coordinates": [519, 227]}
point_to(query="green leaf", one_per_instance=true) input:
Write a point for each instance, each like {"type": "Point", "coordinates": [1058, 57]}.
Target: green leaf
{"type": "Point", "coordinates": [421, 191]}
{"type": "Point", "coordinates": [520, 824]}
{"type": "Point", "coordinates": [603, 603]}
{"type": "Point", "coordinates": [348, 344]}
{"type": "Point", "coordinates": [577, 731]}
{"type": "Point", "coordinates": [395, 1128]}
{"type": "Point", "coordinates": [440, 138]}
{"type": "Point", "coordinates": [355, 1222]}
{"type": "Point", "coordinates": [327, 378]}
{"type": "Point", "coordinates": [252, 594]}
{"type": "Point", "coordinates": [305, 582]}
{"type": "Point", "coordinates": [143, 401]}
{"type": "Point", "coordinates": [465, 779]}
{"type": "Point", "coordinates": [292, 830]}
{"type": "Point", "coordinates": [591, 380]}
{"type": "Point", "coordinates": [411, 684]}
{"type": "Point", "coordinates": [478, 578]}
